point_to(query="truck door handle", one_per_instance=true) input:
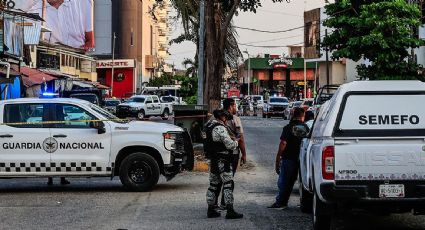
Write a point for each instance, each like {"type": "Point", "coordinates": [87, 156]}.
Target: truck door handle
{"type": "Point", "coordinates": [6, 136]}
{"type": "Point", "coordinates": [60, 136]}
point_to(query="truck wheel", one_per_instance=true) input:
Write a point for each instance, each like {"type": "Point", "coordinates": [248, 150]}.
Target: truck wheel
{"type": "Point", "coordinates": [166, 114]}
{"type": "Point", "coordinates": [141, 115]}
{"type": "Point", "coordinates": [306, 198]}
{"type": "Point", "coordinates": [264, 115]}
{"type": "Point", "coordinates": [320, 221]}
{"type": "Point", "coordinates": [139, 172]}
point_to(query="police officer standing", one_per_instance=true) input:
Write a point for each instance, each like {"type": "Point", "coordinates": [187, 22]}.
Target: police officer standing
{"type": "Point", "coordinates": [287, 159]}
{"type": "Point", "coordinates": [221, 148]}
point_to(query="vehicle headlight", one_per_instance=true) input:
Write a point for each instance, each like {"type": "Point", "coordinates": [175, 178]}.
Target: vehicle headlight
{"type": "Point", "coordinates": [170, 141]}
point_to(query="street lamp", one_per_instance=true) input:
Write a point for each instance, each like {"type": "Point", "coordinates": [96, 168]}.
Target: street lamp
{"type": "Point", "coordinates": [249, 69]}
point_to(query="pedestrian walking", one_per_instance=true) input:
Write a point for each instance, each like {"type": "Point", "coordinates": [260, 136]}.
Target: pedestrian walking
{"type": "Point", "coordinates": [287, 159]}
{"type": "Point", "coordinates": [236, 131]}
{"type": "Point", "coordinates": [220, 151]}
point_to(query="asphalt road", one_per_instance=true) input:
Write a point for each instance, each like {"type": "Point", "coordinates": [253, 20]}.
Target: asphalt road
{"type": "Point", "coordinates": [99, 203]}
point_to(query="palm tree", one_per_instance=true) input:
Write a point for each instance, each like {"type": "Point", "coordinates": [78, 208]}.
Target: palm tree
{"type": "Point", "coordinates": [191, 71]}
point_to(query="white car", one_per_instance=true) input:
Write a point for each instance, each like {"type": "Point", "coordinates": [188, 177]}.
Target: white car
{"type": "Point", "coordinates": [275, 106]}
{"type": "Point", "coordinates": [75, 138]}
{"type": "Point", "coordinates": [173, 100]}
{"type": "Point", "coordinates": [144, 106]}
{"type": "Point", "coordinates": [365, 153]}
{"type": "Point", "coordinates": [259, 100]}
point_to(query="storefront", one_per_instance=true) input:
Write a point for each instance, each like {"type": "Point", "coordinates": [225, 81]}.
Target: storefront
{"type": "Point", "coordinates": [124, 82]}
{"type": "Point", "coordinates": [270, 74]}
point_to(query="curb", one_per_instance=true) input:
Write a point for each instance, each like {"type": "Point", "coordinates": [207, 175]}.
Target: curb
{"type": "Point", "coordinates": [200, 166]}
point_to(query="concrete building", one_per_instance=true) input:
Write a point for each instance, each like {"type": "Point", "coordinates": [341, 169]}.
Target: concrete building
{"type": "Point", "coordinates": [141, 36]}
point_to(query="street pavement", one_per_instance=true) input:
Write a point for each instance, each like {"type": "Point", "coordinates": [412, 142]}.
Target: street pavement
{"type": "Point", "coordinates": [99, 203]}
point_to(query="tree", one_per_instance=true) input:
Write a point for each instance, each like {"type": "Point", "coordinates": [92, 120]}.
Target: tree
{"type": "Point", "coordinates": [221, 46]}
{"type": "Point", "coordinates": [381, 31]}
{"type": "Point", "coordinates": [165, 79]}
{"type": "Point", "coordinates": [191, 67]}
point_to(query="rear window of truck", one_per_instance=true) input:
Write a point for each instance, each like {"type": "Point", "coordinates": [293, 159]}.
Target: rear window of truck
{"type": "Point", "coordinates": [381, 114]}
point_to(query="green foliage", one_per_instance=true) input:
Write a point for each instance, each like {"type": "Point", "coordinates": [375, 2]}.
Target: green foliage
{"type": "Point", "coordinates": [188, 90]}
{"type": "Point", "coordinates": [165, 79]}
{"type": "Point", "coordinates": [381, 31]}
{"type": "Point", "coordinates": [189, 85]}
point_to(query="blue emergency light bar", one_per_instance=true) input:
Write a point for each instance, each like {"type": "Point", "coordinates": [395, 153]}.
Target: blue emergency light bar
{"type": "Point", "coordinates": [49, 95]}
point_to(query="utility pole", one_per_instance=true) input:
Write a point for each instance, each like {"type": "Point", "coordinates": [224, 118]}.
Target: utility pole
{"type": "Point", "coordinates": [249, 71]}
{"type": "Point", "coordinates": [327, 61]}
{"type": "Point", "coordinates": [113, 65]}
{"type": "Point", "coordinates": [201, 52]}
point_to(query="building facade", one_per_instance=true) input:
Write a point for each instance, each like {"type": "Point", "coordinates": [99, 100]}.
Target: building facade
{"type": "Point", "coordinates": [276, 75]}
{"type": "Point", "coordinates": [140, 32]}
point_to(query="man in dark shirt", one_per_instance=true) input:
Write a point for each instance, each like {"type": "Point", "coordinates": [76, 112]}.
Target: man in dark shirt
{"type": "Point", "coordinates": [287, 159]}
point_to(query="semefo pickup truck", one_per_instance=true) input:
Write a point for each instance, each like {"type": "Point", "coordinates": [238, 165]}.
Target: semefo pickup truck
{"type": "Point", "coordinates": [365, 153]}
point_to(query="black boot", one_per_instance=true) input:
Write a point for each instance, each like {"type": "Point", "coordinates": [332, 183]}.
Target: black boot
{"type": "Point", "coordinates": [212, 213]}
{"type": "Point", "coordinates": [231, 214]}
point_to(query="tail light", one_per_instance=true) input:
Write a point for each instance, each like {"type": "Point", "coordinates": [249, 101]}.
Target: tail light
{"type": "Point", "coordinates": [328, 163]}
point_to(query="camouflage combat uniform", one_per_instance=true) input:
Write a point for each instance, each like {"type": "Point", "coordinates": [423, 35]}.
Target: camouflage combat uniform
{"type": "Point", "coordinates": [220, 165]}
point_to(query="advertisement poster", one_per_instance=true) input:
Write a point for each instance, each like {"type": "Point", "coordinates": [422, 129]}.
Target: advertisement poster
{"type": "Point", "coordinates": [70, 22]}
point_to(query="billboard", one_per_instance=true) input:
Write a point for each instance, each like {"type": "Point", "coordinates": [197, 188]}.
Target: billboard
{"type": "Point", "coordinates": [312, 33]}
{"type": "Point", "coordinates": [70, 22]}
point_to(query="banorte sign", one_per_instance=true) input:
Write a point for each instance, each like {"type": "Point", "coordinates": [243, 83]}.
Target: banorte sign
{"type": "Point", "coordinates": [279, 63]}
{"type": "Point", "coordinates": [107, 64]}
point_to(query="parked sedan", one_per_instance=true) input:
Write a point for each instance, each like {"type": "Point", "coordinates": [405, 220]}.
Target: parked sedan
{"type": "Point", "coordinates": [275, 106]}
{"type": "Point", "coordinates": [290, 110]}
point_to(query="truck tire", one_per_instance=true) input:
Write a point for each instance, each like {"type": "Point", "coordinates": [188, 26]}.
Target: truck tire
{"type": "Point", "coordinates": [165, 114]}
{"type": "Point", "coordinates": [264, 115]}
{"type": "Point", "coordinates": [321, 221]}
{"type": "Point", "coordinates": [139, 172]}
{"type": "Point", "coordinates": [141, 115]}
{"type": "Point", "coordinates": [306, 198]}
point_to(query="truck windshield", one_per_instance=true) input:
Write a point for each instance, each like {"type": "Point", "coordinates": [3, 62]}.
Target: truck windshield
{"type": "Point", "coordinates": [112, 103]}
{"type": "Point", "coordinates": [107, 114]}
{"type": "Point", "coordinates": [256, 98]}
{"type": "Point", "coordinates": [136, 99]}
{"type": "Point", "coordinates": [278, 100]}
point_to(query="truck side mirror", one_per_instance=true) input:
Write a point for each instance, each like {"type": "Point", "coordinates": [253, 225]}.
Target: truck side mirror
{"type": "Point", "coordinates": [300, 131]}
{"type": "Point", "coordinates": [100, 126]}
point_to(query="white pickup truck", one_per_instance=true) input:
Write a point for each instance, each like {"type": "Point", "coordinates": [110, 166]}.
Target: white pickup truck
{"type": "Point", "coordinates": [144, 106]}
{"type": "Point", "coordinates": [366, 150]}
{"type": "Point", "coordinates": [75, 138]}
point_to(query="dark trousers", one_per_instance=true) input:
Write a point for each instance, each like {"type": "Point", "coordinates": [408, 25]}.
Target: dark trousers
{"type": "Point", "coordinates": [287, 177]}
{"type": "Point", "coordinates": [235, 162]}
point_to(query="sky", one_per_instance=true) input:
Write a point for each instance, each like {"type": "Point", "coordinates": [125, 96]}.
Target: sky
{"type": "Point", "coordinates": [272, 17]}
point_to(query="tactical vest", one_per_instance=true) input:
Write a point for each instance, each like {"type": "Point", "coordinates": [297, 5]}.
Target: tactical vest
{"type": "Point", "coordinates": [213, 148]}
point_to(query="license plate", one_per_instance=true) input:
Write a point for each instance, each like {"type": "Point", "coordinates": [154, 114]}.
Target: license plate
{"type": "Point", "coordinates": [391, 190]}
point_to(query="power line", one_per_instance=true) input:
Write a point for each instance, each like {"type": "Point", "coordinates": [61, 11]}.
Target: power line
{"type": "Point", "coordinates": [269, 31]}
{"type": "Point", "coordinates": [276, 46]}
{"type": "Point", "coordinates": [276, 39]}
{"type": "Point", "coordinates": [276, 12]}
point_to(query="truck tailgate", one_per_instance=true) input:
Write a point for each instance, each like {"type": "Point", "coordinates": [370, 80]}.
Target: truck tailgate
{"type": "Point", "coordinates": [380, 159]}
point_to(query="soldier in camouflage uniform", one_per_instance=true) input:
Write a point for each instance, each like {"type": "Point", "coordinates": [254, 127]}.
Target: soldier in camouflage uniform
{"type": "Point", "coordinates": [221, 147]}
